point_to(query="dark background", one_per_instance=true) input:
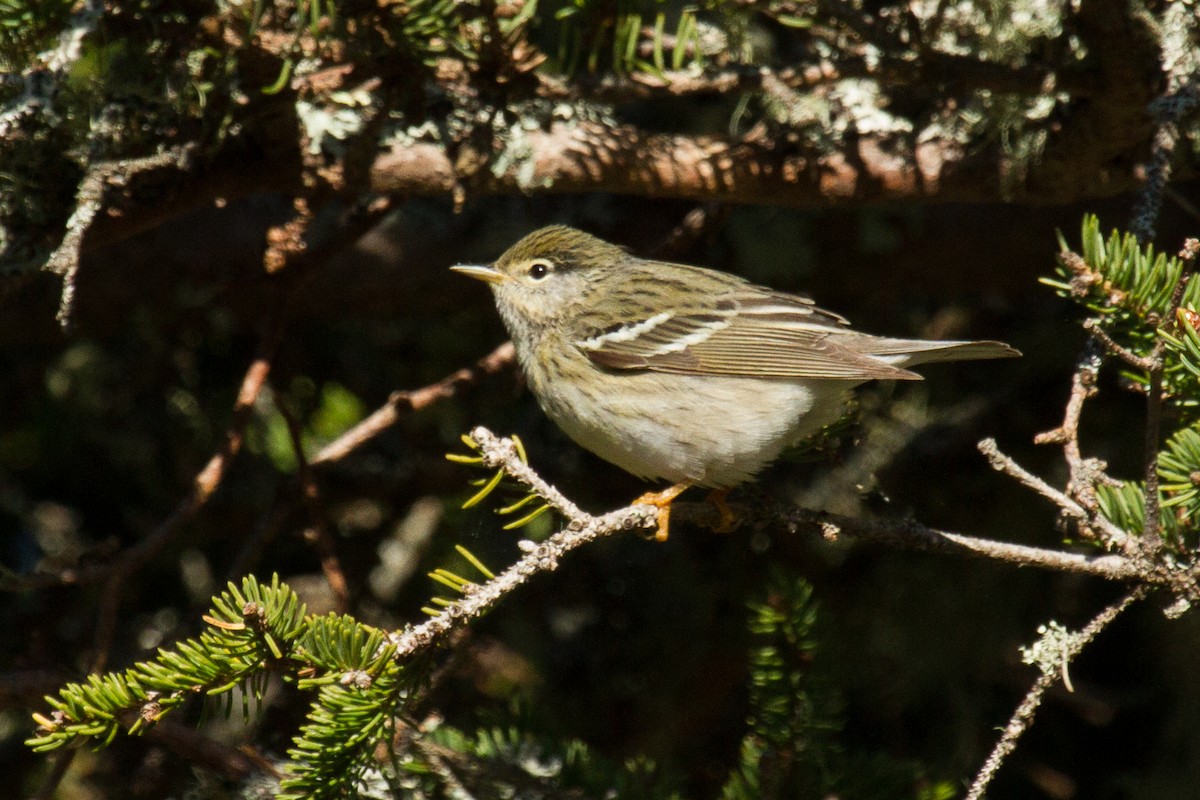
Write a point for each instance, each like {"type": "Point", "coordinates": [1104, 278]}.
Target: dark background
{"type": "Point", "coordinates": [634, 647]}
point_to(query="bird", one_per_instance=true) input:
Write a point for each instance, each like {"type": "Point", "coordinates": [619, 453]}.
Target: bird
{"type": "Point", "coordinates": [683, 374]}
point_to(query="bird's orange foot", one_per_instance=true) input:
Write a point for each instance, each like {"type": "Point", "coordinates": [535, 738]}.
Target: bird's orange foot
{"type": "Point", "coordinates": [662, 501]}
{"type": "Point", "coordinates": [727, 521]}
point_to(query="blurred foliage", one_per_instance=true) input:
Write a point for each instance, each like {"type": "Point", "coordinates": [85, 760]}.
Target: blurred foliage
{"type": "Point", "coordinates": [792, 749]}
{"type": "Point", "coordinates": [27, 27]}
{"type": "Point", "coordinates": [328, 414]}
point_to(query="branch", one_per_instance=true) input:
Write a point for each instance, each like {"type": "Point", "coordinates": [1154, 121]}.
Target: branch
{"type": "Point", "coordinates": [581, 528]}
{"type": "Point", "coordinates": [572, 157]}
{"type": "Point", "coordinates": [1110, 533]}
{"type": "Point", "coordinates": [1023, 716]}
{"type": "Point", "coordinates": [404, 402]}
{"type": "Point", "coordinates": [576, 156]}
{"type": "Point", "coordinates": [912, 536]}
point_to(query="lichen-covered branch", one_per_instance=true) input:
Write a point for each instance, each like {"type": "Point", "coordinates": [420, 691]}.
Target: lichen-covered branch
{"type": "Point", "coordinates": [580, 529]}
{"type": "Point", "coordinates": [589, 157]}
{"type": "Point", "coordinates": [1022, 718]}
{"type": "Point", "coordinates": [912, 536]}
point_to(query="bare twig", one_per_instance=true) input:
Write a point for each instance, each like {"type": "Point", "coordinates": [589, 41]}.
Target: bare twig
{"type": "Point", "coordinates": [1096, 329]}
{"type": "Point", "coordinates": [1002, 463]}
{"type": "Point", "coordinates": [1085, 473]}
{"type": "Point", "coordinates": [403, 402]}
{"type": "Point", "coordinates": [1023, 716]}
{"type": "Point", "coordinates": [907, 535]}
{"type": "Point", "coordinates": [203, 487]}
{"type": "Point", "coordinates": [317, 533]}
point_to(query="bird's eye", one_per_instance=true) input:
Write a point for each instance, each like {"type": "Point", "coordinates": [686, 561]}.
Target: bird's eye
{"type": "Point", "coordinates": [539, 269]}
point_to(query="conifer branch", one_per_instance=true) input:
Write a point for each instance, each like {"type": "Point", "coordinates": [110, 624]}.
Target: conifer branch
{"type": "Point", "coordinates": [581, 528]}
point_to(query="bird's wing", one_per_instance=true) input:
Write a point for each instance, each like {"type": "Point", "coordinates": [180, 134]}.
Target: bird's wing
{"type": "Point", "coordinates": [743, 331]}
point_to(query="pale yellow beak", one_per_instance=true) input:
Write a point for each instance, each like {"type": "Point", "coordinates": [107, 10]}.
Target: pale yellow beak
{"type": "Point", "coordinates": [485, 274]}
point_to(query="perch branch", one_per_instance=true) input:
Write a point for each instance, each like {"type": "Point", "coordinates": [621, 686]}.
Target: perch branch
{"type": "Point", "coordinates": [580, 529]}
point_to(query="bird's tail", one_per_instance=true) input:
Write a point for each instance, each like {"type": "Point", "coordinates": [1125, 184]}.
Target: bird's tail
{"type": "Point", "coordinates": [910, 352]}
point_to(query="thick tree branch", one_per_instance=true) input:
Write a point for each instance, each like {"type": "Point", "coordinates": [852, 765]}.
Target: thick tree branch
{"type": "Point", "coordinates": [589, 157]}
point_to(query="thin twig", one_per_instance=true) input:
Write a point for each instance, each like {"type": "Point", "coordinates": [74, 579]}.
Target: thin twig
{"type": "Point", "coordinates": [1094, 327]}
{"type": "Point", "coordinates": [203, 488]}
{"type": "Point", "coordinates": [404, 402]}
{"type": "Point", "coordinates": [1023, 716]}
{"type": "Point", "coordinates": [1085, 473]}
{"type": "Point", "coordinates": [1002, 463]}
{"type": "Point", "coordinates": [912, 536]}
{"type": "Point", "coordinates": [317, 533]}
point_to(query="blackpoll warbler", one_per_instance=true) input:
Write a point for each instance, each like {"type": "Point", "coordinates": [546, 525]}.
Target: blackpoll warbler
{"type": "Point", "coordinates": [681, 373]}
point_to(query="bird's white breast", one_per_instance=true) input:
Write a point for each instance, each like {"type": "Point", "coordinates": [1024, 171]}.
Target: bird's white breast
{"type": "Point", "coordinates": [711, 431]}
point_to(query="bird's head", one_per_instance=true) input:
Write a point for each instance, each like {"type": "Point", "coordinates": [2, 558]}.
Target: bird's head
{"type": "Point", "coordinates": [541, 278]}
